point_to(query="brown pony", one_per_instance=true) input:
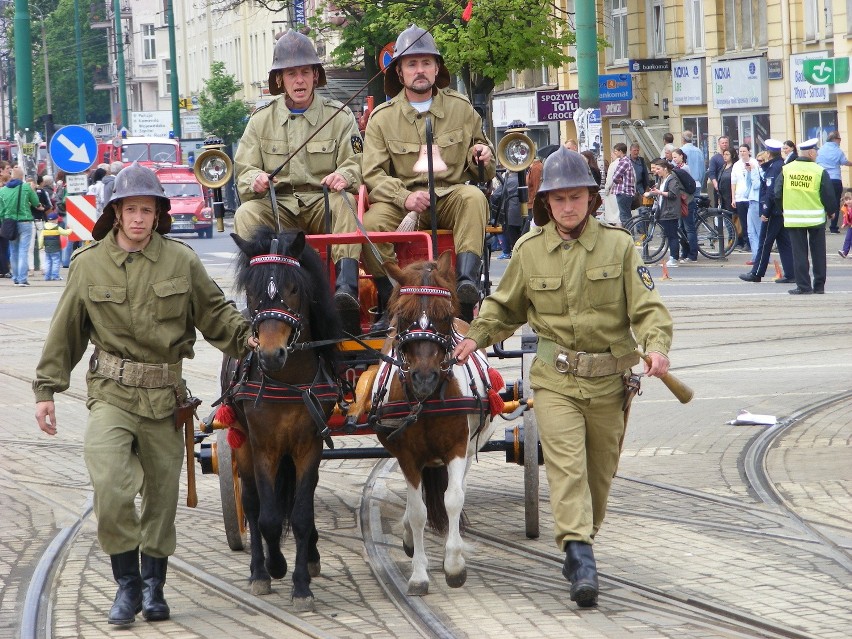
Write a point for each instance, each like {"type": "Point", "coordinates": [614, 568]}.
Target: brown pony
{"type": "Point", "coordinates": [282, 394]}
{"type": "Point", "coordinates": [430, 413]}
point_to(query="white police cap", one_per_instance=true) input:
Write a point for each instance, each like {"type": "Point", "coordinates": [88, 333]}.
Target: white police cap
{"type": "Point", "coordinates": [807, 145]}
{"type": "Point", "coordinates": [772, 145]}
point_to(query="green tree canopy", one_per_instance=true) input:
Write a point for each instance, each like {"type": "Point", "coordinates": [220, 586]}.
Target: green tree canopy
{"type": "Point", "coordinates": [220, 113]}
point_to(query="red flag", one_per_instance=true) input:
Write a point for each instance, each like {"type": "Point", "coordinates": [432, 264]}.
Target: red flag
{"type": "Point", "coordinates": [468, 11]}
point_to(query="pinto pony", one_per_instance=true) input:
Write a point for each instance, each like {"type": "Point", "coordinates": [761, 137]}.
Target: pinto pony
{"type": "Point", "coordinates": [281, 395]}
{"type": "Point", "coordinates": [430, 413]}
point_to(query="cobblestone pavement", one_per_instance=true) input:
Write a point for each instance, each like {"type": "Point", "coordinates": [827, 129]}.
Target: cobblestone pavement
{"type": "Point", "coordinates": [684, 519]}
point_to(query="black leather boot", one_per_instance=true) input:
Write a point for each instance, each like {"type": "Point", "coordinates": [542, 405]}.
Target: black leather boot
{"type": "Point", "coordinates": [384, 288]}
{"type": "Point", "coordinates": [154, 606]}
{"type": "Point", "coordinates": [346, 294]}
{"type": "Point", "coordinates": [128, 598]}
{"type": "Point", "coordinates": [580, 569]}
{"type": "Point", "coordinates": [468, 268]}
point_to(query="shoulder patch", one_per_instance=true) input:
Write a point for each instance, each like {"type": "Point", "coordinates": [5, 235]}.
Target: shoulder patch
{"type": "Point", "coordinates": [645, 277]}
{"type": "Point", "coordinates": [613, 227]}
{"type": "Point", "coordinates": [452, 93]}
{"type": "Point", "coordinates": [357, 144]}
{"type": "Point", "coordinates": [177, 241]}
{"type": "Point", "coordinates": [85, 248]}
{"type": "Point", "coordinates": [383, 105]}
{"type": "Point", "coordinates": [261, 108]}
{"type": "Point", "coordinates": [535, 232]}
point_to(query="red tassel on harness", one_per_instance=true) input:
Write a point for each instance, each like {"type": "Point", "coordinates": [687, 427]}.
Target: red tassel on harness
{"type": "Point", "coordinates": [495, 402]}
{"type": "Point", "coordinates": [468, 11]}
{"type": "Point", "coordinates": [236, 438]}
{"type": "Point", "coordinates": [225, 415]}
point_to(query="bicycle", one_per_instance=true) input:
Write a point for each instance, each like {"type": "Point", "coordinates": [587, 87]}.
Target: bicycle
{"type": "Point", "coordinates": [711, 224]}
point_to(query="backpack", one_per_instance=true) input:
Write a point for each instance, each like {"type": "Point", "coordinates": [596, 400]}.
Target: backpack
{"type": "Point", "coordinates": [686, 180]}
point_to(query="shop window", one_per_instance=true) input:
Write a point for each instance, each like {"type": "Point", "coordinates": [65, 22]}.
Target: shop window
{"type": "Point", "coordinates": [746, 128]}
{"type": "Point", "coordinates": [818, 124]}
{"type": "Point", "coordinates": [698, 126]}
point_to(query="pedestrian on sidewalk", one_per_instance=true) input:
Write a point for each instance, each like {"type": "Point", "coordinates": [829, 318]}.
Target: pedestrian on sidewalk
{"type": "Point", "coordinates": [832, 158]}
{"type": "Point", "coordinates": [17, 200]}
{"type": "Point", "coordinates": [139, 297]}
{"type": "Point", "coordinates": [846, 215]}
{"type": "Point", "coordinates": [583, 356]}
{"type": "Point", "coordinates": [50, 241]}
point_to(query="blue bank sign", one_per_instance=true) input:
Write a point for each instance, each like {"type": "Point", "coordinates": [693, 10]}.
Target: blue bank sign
{"type": "Point", "coordinates": [615, 87]}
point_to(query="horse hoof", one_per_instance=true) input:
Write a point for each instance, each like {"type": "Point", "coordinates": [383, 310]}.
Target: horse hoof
{"type": "Point", "coordinates": [314, 568]}
{"type": "Point", "coordinates": [409, 550]}
{"type": "Point", "coordinates": [303, 604]}
{"type": "Point", "coordinates": [418, 588]}
{"type": "Point", "coordinates": [261, 587]}
{"type": "Point", "coordinates": [457, 581]}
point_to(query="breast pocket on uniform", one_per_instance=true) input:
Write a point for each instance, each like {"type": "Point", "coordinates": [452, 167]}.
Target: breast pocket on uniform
{"type": "Point", "coordinates": [403, 156]}
{"type": "Point", "coordinates": [322, 156]}
{"type": "Point", "coordinates": [453, 145]}
{"type": "Point", "coordinates": [171, 298]}
{"type": "Point", "coordinates": [108, 306]}
{"type": "Point", "coordinates": [273, 152]}
{"type": "Point", "coordinates": [547, 295]}
{"type": "Point", "coordinates": [605, 285]}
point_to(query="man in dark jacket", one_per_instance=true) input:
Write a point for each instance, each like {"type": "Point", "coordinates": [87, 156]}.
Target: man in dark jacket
{"type": "Point", "coordinates": [505, 199]}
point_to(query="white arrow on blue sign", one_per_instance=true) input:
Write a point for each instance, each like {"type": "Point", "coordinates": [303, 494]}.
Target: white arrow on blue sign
{"type": "Point", "coordinates": [73, 149]}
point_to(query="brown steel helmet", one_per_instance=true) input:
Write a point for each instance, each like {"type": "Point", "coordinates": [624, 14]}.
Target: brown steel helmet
{"type": "Point", "coordinates": [131, 181]}
{"type": "Point", "coordinates": [563, 169]}
{"type": "Point", "coordinates": [294, 49]}
{"type": "Point", "coordinates": [414, 41]}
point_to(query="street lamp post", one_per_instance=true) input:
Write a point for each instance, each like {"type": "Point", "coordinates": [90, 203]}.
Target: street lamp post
{"type": "Point", "coordinates": [48, 118]}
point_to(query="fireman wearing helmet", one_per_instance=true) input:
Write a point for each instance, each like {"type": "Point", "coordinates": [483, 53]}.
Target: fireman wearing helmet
{"type": "Point", "coordinates": [331, 158]}
{"type": "Point", "coordinates": [417, 80]}
{"type": "Point", "coordinates": [138, 297]}
{"type": "Point", "coordinates": [583, 289]}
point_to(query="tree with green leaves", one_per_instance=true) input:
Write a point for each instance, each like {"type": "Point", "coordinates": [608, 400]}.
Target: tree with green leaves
{"type": "Point", "coordinates": [221, 115]}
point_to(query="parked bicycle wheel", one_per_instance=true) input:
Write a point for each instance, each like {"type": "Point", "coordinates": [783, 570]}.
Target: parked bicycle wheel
{"type": "Point", "coordinates": [648, 237]}
{"type": "Point", "coordinates": [707, 227]}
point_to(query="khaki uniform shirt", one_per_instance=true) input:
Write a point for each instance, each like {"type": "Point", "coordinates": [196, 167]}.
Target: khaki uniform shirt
{"type": "Point", "coordinates": [395, 133]}
{"type": "Point", "coordinates": [274, 132]}
{"type": "Point", "coordinates": [592, 294]}
{"type": "Point", "coordinates": [143, 306]}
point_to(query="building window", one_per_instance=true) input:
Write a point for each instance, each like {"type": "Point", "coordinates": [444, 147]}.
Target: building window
{"type": "Point", "coordinates": [618, 30]}
{"type": "Point", "coordinates": [818, 124]}
{"type": "Point", "coordinates": [849, 17]}
{"type": "Point", "coordinates": [658, 28]}
{"type": "Point", "coordinates": [149, 42]}
{"type": "Point", "coordinates": [819, 19]}
{"type": "Point", "coordinates": [745, 24]}
{"type": "Point", "coordinates": [695, 25]}
{"type": "Point", "coordinates": [167, 77]}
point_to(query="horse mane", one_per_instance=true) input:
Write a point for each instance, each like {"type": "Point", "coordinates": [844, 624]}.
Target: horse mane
{"type": "Point", "coordinates": [423, 274]}
{"type": "Point", "coordinates": [311, 281]}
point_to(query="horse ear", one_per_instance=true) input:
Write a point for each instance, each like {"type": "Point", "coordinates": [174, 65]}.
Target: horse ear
{"type": "Point", "coordinates": [392, 269]}
{"type": "Point", "coordinates": [297, 245]}
{"type": "Point", "coordinates": [240, 242]}
{"type": "Point", "coordinates": [445, 264]}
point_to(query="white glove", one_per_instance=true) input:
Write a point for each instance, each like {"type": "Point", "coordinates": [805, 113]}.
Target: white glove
{"type": "Point", "coordinates": [409, 223]}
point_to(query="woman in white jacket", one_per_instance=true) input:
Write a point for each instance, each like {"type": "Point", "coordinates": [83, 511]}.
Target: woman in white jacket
{"type": "Point", "coordinates": [745, 193]}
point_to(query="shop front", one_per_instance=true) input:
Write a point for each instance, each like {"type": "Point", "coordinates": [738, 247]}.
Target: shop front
{"type": "Point", "coordinates": [740, 90]}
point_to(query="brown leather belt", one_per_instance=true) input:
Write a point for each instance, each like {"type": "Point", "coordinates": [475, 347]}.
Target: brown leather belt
{"type": "Point", "coordinates": [583, 364]}
{"type": "Point", "coordinates": [289, 189]}
{"type": "Point", "coordinates": [134, 374]}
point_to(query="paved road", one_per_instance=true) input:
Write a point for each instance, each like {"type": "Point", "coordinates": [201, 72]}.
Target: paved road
{"type": "Point", "coordinates": [688, 519]}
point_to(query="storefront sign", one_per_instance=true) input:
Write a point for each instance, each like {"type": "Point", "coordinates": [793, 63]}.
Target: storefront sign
{"type": "Point", "coordinates": [776, 69]}
{"type": "Point", "coordinates": [740, 84]}
{"type": "Point", "coordinates": [689, 85]}
{"type": "Point", "coordinates": [615, 109]}
{"type": "Point", "coordinates": [553, 106]}
{"type": "Point", "coordinates": [615, 87]}
{"type": "Point", "coordinates": [802, 91]}
{"type": "Point", "coordinates": [506, 109]}
{"type": "Point", "coordinates": [649, 65]}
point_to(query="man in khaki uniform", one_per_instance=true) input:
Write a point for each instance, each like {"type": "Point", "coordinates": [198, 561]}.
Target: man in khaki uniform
{"type": "Point", "coordinates": [585, 292]}
{"type": "Point", "coordinates": [138, 297]}
{"type": "Point", "coordinates": [332, 158]}
{"type": "Point", "coordinates": [399, 198]}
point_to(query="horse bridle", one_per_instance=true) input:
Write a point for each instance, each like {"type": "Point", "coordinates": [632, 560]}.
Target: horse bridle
{"type": "Point", "coordinates": [423, 329]}
{"type": "Point", "coordinates": [277, 308]}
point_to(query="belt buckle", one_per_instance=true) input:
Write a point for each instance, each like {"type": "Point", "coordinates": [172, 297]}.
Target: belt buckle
{"type": "Point", "coordinates": [564, 364]}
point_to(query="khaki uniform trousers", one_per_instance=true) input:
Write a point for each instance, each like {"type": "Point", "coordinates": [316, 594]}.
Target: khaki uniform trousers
{"type": "Point", "coordinates": [128, 455]}
{"type": "Point", "coordinates": [310, 219]}
{"type": "Point", "coordinates": [581, 440]}
{"type": "Point", "coordinates": [464, 210]}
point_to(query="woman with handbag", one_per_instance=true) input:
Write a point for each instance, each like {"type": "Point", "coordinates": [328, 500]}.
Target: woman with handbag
{"type": "Point", "coordinates": [666, 196]}
{"type": "Point", "coordinates": [16, 198]}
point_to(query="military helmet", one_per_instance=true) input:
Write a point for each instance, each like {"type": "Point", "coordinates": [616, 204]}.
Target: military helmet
{"type": "Point", "coordinates": [414, 41]}
{"type": "Point", "coordinates": [134, 180]}
{"type": "Point", "coordinates": [294, 49]}
{"type": "Point", "coordinates": [563, 169]}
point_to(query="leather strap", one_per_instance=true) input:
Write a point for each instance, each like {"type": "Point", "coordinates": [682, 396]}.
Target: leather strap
{"type": "Point", "coordinates": [134, 374]}
{"type": "Point", "coordinates": [581, 364]}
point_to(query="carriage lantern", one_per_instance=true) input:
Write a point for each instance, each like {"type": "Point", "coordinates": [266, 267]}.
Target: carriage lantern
{"type": "Point", "coordinates": [213, 168]}
{"type": "Point", "coordinates": [516, 151]}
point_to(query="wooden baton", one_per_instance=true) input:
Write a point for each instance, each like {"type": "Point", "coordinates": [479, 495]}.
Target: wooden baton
{"type": "Point", "coordinates": [680, 390]}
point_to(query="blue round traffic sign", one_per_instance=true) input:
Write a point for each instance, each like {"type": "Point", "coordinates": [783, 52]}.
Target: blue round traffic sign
{"type": "Point", "coordinates": [73, 149]}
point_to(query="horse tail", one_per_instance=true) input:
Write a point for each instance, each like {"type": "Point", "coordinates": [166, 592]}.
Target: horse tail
{"type": "Point", "coordinates": [434, 482]}
{"type": "Point", "coordinates": [285, 489]}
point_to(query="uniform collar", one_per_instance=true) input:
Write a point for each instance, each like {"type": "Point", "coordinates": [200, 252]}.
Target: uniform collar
{"type": "Point", "coordinates": [311, 114]}
{"type": "Point", "coordinates": [119, 255]}
{"type": "Point", "coordinates": [587, 239]}
{"type": "Point", "coordinates": [411, 114]}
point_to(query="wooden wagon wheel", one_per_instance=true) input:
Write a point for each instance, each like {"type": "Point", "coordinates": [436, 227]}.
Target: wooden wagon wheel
{"type": "Point", "coordinates": [531, 471]}
{"type": "Point", "coordinates": [230, 487]}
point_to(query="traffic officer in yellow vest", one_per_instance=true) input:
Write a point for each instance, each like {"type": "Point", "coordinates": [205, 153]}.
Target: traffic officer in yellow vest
{"type": "Point", "coordinates": [139, 297]}
{"type": "Point", "coordinates": [417, 79]}
{"type": "Point", "coordinates": [584, 290]}
{"type": "Point", "coordinates": [806, 196]}
{"type": "Point", "coordinates": [275, 133]}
